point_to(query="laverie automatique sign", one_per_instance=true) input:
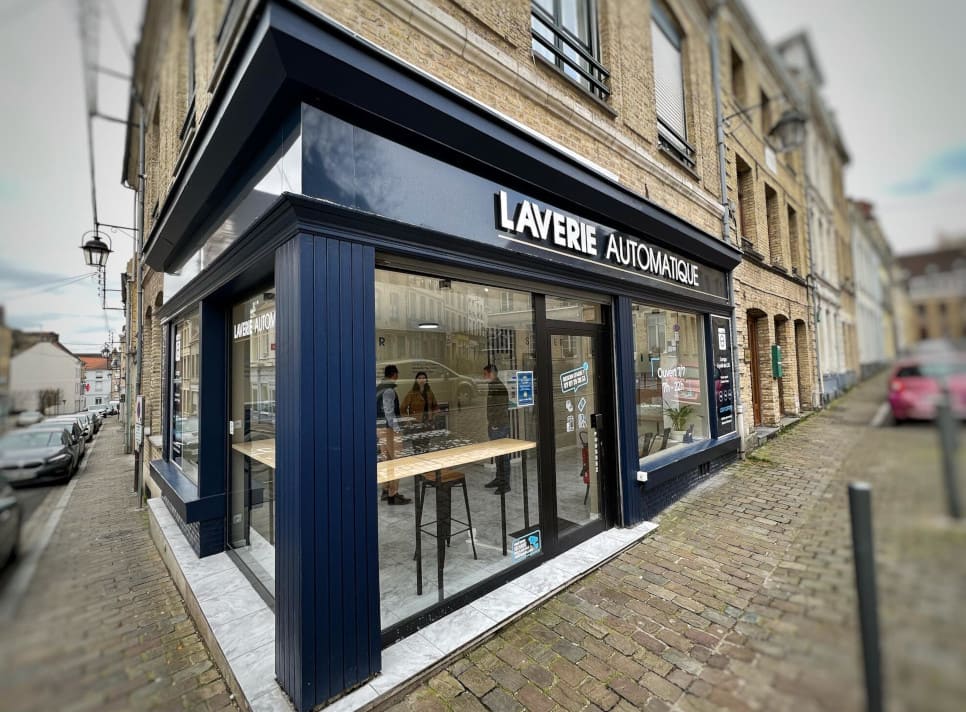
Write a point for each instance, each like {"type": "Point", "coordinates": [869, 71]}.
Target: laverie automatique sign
{"type": "Point", "coordinates": [565, 232]}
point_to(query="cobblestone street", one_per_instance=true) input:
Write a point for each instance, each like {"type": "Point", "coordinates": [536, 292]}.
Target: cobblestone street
{"type": "Point", "coordinates": [743, 599]}
{"type": "Point", "coordinates": [102, 626]}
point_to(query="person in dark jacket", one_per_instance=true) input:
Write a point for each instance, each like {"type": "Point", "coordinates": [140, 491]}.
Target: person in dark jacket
{"type": "Point", "coordinates": [497, 424]}
{"type": "Point", "coordinates": [388, 428]}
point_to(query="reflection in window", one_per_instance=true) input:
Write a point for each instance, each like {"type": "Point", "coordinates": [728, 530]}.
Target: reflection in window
{"type": "Point", "coordinates": [252, 529]}
{"type": "Point", "coordinates": [565, 34]}
{"type": "Point", "coordinates": [438, 413]}
{"type": "Point", "coordinates": [671, 380]}
{"type": "Point", "coordinates": [563, 309]}
{"type": "Point", "coordinates": [185, 395]}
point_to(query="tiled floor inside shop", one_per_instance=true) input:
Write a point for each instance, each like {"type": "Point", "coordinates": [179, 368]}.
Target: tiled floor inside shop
{"type": "Point", "coordinates": [397, 532]}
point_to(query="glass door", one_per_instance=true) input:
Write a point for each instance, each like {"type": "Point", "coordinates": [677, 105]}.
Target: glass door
{"type": "Point", "coordinates": [251, 433]}
{"type": "Point", "coordinates": [577, 445]}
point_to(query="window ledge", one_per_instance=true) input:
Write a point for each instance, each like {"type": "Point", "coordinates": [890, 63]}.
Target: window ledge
{"type": "Point", "coordinates": [661, 468]}
{"type": "Point", "coordinates": [549, 66]}
{"type": "Point", "coordinates": [182, 493]}
{"type": "Point", "coordinates": [678, 161]}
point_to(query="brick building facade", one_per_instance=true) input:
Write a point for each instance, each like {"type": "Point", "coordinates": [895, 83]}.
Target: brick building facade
{"type": "Point", "coordinates": [831, 273]}
{"type": "Point", "coordinates": [259, 116]}
{"type": "Point", "coordinates": [766, 188]}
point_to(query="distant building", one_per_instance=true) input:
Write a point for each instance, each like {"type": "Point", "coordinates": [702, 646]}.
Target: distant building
{"type": "Point", "coordinates": [833, 287]}
{"type": "Point", "coordinates": [936, 283]}
{"type": "Point", "coordinates": [96, 381]}
{"type": "Point", "coordinates": [875, 314]}
{"type": "Point", "coordinates": [45, 376]}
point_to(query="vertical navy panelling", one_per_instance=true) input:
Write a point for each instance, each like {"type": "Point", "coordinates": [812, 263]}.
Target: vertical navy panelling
{"type": "Point", "coordinates": [296, 604]}
{"type": "Point", "coordinates": [627, 412]}
{"type": "Point", "coordinates": [364, 294]}
{"type": "Point", "coordinates": [327, 587]}
{"type": "Point", "coordinates": [213, 411]}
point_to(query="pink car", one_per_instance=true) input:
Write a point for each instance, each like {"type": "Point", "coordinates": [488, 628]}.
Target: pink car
{"type": "Point", "coordinates": [916, 383]}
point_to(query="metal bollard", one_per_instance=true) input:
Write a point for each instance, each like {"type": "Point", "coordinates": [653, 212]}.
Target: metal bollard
{"type": "Point", "coordinates": [860, 510]}
{"type": "Point", "coordinates": [947, 442]}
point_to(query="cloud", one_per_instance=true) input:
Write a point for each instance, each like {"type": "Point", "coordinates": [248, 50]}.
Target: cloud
{"type": "Point", "coordinates": [946, 167]}
{"type": "Point", "coordinates": [36, 320]}
{"type": "Point", "coordinates": [25, 277]}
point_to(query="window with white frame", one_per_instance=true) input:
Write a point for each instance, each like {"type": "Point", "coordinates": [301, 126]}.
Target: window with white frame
{"type": "Point", "coordinates": [668, 40]}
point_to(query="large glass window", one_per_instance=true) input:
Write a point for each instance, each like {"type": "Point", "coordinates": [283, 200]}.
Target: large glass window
{"type": "Point", "coordinates": [671, 380]}
{"type": "Point", "coordinates": [252, 434]}
{"type": "Point", "coordinates": [186, 395]}
{"type": "Point", "coordinates": [457, 471]}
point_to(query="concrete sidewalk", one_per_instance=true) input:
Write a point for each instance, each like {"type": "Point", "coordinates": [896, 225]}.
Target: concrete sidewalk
{"type": "Point", "coordinates": [101, 626]}
{"type": "Point", "coordinates": [743, 599]}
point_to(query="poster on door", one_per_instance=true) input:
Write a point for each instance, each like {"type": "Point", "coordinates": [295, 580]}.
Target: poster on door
{"type": "Point", "coordinates": [724, 398]}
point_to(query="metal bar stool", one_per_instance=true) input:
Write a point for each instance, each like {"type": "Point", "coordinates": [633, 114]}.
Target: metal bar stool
{"type": "Point", "coordinates": [442, 482]}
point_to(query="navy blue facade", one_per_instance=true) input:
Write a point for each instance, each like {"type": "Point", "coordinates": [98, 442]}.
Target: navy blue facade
{"type": "Point", "coordinates": [327, 601]}
{"type": "Point", "coordinates": [321, 256]}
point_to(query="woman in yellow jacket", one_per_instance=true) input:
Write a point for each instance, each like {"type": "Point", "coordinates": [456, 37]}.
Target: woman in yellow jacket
{"type": "Point", "coordinates": [420, 402]}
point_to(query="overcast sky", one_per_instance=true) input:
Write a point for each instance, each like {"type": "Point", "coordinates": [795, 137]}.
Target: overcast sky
{"type": "Point", "coordinates": [45, 188]}
{"type": "Point", "coordinates": [893, 78]}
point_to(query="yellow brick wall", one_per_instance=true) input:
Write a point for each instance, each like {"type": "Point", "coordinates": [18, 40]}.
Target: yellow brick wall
{"type": "Point", "coordinates": [483, 48]}
{"type": "Point", "coordinates": [778, 299]}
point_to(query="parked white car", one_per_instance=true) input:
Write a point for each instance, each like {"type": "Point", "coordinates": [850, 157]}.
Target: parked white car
{"type": "Point", "coordinates": [29, 417]}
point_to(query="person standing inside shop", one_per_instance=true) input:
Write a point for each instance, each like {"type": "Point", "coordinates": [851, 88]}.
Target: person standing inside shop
{"type": "Point", "coordinates": [388, 427]}
{"type": "Point", "coordinates": [421, 404]}
{"type": "Point", "coordinates": [497, 424]}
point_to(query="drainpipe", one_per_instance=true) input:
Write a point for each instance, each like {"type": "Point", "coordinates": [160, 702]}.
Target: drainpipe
{"type": "Point", "coordinates": [140, 283]}
{"type": "Point", "coordinates": [812, 293]}
{"type": "Point", "coordinates": [726, 220]}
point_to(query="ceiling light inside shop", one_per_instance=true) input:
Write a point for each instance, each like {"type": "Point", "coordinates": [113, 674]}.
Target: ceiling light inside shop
{"type": "Point", "coordinates": [428, 325]}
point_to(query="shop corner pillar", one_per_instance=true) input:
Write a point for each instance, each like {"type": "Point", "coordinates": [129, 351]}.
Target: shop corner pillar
{"type": "Point", "coordinates": [327, 586]}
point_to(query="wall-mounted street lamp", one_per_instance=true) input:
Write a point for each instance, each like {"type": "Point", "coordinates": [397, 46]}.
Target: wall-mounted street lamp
{"type": "Point", "coordinates": [95, 250]}
{"type": "Point", "coordinates": [789, 131]}
{"type": "Point", "coordinates": [787, 134]}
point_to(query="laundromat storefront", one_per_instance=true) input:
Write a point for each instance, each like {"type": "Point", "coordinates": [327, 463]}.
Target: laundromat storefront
{"type": "Point", "coordinates": [439, 371]}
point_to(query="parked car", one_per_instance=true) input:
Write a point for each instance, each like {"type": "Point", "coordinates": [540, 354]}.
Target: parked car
{"type": "Point", "coordinates": [29, 417]}
{"type": "Point", "coordinates": [72, 424]}
{"type": "Point", "coordinates": [11, 519]}
{"type": "Point", "coordinates": [82, 419]}
{"type": "Point", "coordinates": [74, 434]}
{"type": "Point", "coordinates": [449, 386]}
{"type": "Point", "coordinates": [916, 385]}
{"type": "Point", "coordinates": [30, 456]}
{"type": "Point", "coordinates": [184, 438]}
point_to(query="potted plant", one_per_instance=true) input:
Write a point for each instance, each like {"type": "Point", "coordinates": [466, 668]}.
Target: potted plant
{"type": "Point", "coordinates": [679, 418]}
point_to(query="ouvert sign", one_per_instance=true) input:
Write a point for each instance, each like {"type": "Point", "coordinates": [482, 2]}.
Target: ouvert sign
{"type": "Point", "coordinates": [572, 234]}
